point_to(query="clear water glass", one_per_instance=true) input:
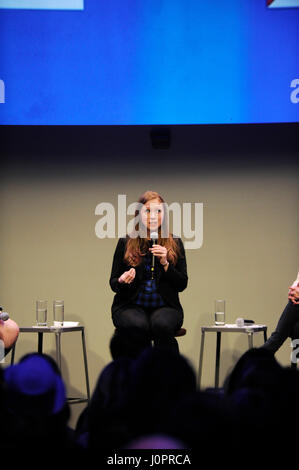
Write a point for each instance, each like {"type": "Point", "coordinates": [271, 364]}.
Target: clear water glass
{"type": "Point", "coordinates": [58, 312]}
{"type": "Point", "coordinates": [219, 312]}
{"type": "Point", "coordinates": [41, 312]}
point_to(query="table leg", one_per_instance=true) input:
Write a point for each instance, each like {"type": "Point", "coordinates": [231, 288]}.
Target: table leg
{"type": "Point", "coordinates": [294, 364]}
{"type": "Point", "coordinates": [217, 365]}
{"type": "Point", "coordinates": [201, 358]}
{"type": "Point", "coordinates": [58, 349]}
{"type": "Point", "coordinates": [250, 340]}
{"type": "Point", "coordinates": [265, 335]}
{"type": "Point", "coordinates": [40, 343]}
{"type": "Point", "coordinates": [85, 365]}
{"type": "Point", "coordinates": [12, 357]}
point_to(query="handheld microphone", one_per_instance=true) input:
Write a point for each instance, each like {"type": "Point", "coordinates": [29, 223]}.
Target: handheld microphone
{"type": "Point", "coordinates": [154, 238]}
{"type": "Point", "coordinates": [4, 316]}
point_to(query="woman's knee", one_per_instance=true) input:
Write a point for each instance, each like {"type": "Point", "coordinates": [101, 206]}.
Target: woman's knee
{"type": "Point", "coordinates": [130, 318]}
{"type": "Point", "coordinates": [166, 321]}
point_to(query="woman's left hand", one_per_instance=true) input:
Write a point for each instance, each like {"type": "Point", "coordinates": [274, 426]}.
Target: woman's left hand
{"type": "Point", "coordinates": [294, 294]}
{"type": "Point", "coordinates": [160, 252]}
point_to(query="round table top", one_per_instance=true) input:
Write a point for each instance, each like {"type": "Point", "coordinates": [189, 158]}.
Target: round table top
{"type": "Point", "coordinates": [50, 329]}
{"type": "Point", "coordinates": [233, 328]}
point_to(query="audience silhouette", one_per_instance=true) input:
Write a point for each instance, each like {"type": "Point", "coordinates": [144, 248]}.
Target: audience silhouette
{"type": "Point", "coordinates": [146, 397]}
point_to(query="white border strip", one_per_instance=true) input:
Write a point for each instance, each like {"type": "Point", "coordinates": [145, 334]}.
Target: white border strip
{"type": "Point", "coordinates": [43, 4]}
{"type": "Point", "coordinates": [284, 4]}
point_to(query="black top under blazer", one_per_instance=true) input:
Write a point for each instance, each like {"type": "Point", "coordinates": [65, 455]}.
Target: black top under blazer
{"type": "Point", "coordinates": [169, 282]}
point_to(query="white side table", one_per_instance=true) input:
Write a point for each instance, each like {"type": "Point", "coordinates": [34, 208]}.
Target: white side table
{"type": "Point", "coordinates": [58, 332]}
{"type": "Point", "coordinates": [250, 330]}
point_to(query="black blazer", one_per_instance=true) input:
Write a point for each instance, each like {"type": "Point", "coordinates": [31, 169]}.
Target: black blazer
{"type": "Point", "coordinates": [169, 282]}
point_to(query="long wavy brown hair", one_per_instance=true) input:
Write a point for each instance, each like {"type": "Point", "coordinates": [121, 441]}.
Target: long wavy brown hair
{"type": "Point", "coordinates": [137, 247]}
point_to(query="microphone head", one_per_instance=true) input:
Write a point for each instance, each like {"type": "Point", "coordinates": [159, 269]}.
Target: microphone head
{"type": "Point", "coordinates": [4, 316]}
{"type": "Point", "coordinates": [154, 236]}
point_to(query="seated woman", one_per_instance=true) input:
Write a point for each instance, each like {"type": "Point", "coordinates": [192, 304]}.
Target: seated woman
{"type": "Point", "coordinates": [288, 319]}
{"type": "Point", "coordinates": [147, 277]}
{"type": "Point", "coordinates": [9, 332]}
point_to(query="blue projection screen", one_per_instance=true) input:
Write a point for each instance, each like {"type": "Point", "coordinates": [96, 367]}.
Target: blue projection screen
{"type": "Point", "coordinates": [134, 62]}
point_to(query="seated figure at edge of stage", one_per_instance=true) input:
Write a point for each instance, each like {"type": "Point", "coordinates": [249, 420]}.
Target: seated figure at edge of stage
{"type": "Point", "coordinates": [9, 332]}
{"type": "Point", "coordinates": [287, 321]}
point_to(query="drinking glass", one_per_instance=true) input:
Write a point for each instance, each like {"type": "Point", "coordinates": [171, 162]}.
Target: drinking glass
{"type": "Point", "coordinates": [58, 312]}
{"type": "Point", "coordinates": [41, 312]}
{"type": "Point", "coordinates": [219, 312]}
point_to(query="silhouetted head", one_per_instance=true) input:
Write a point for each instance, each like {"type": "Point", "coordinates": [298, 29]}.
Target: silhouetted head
{"type": "Point", "coordinates": [156, 441]}
{"type": "Point", "coordinates": [129, 342]}
{"type": "Point", "coordinates": [33, 387]}
{"type": "Point", "coordinates": [160, 378]}
{"type": "Point", "coordinates": [257, 367]}
{"type": "Point", "coordinates": [107, 414]}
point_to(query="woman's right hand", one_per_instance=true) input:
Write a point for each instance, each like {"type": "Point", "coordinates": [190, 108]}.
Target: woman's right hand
{"type": "Point", "coordinates": [128, 276]}
{"type": "Point", "coordinates": [294, 294]}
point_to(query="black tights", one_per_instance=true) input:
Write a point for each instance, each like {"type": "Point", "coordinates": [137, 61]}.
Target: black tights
{"type": "Point", "coordinates": [159, 324]}
{"type": "Point", "coordinates": [285, 327]}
